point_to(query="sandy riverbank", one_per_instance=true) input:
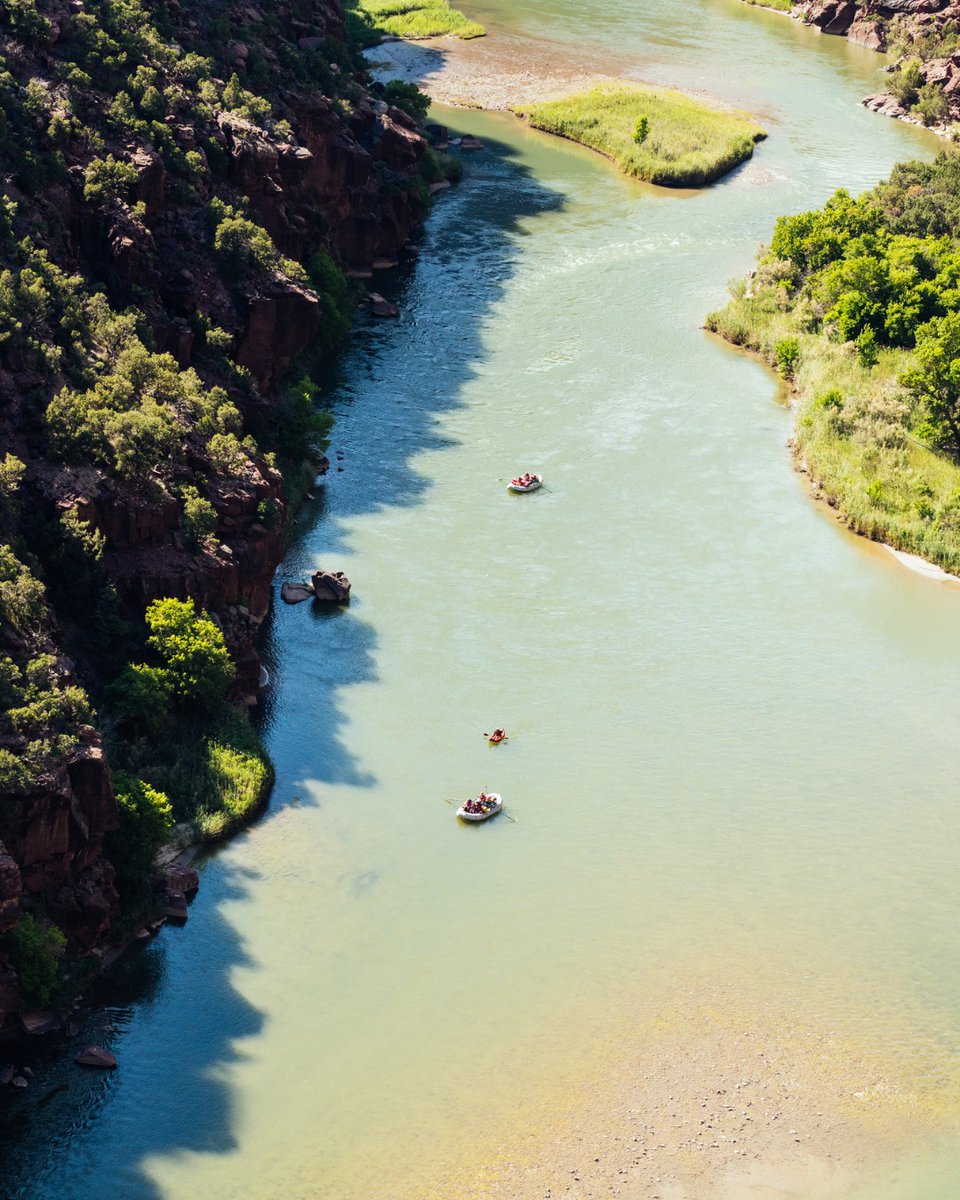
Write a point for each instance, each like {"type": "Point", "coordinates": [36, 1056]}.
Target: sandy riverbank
{"type": "Point", "coordinates": [494, 72]}
{"type": "Point", "coordinates": [707, 1098]}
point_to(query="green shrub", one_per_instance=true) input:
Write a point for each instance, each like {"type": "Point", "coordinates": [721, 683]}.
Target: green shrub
{"type": "Point", "coordinates": [866, 344]}
{"type": "Point", "coordinates": [787, 354]}
{"type": "Point", "coordinates": [199, 520]}
{"type": "Point", "coordinates": [16, 777]}
{"type": "Point", "coordinates": [932, 106]}
{"type": "Point", "coordinates": [107, 180]}
{"type": "Point", "coordinates": [906, 81]}
{"type": "Point", "coordinates": [11, 476]}
{"type": "Point", "coordinates": [641, 130]}
{"type": "Point", "coordinates": [191, 648]}
{"type": "Point", "coordinates": [35, 951]}
{"type": "Point", "coordinates": [226, 453]}
{"type": "Point", "coordinates": [243, 246]}
{"type": "Point", "coordinates": [408, 97]}
{"type": "Point", "coordinates": [22, 597]}
{"type": "Point", "coordinates": [146, 820]}
{"type": "Point", "coordinates": [141, 696]}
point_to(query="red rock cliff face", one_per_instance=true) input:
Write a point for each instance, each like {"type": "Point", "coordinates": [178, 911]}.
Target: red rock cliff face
{"type": "Point", "coordinates": [52, 848]}
{"type": "Point", "coordinates": [337, 174]}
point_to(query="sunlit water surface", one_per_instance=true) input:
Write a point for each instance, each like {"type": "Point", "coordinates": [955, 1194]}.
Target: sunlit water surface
{"type": "Point", "coordinates": [733, 726]}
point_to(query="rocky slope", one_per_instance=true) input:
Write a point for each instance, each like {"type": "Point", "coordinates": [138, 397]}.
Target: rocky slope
{"type": "Point", "coordinates": [184, 195]}
{"type": "Point", "coordinates": [924, 38]}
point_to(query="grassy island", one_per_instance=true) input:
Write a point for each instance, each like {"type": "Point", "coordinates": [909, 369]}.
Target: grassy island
{"type": "Point", "coordinates": [857, 305]}
{"type": "Point", "coordinates": [658, 136]}
{"type": "Point", "coordinates": [371, 20]}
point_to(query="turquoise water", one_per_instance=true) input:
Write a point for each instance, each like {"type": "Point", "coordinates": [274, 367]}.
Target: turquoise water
{"type": "Point", "coordinates": [733, 726]}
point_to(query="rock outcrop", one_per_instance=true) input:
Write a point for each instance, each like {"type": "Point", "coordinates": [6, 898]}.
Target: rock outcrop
{"type": "Point", "coordinates": [331, 173]}
{"type": "Point", "coordinates": [876, 25]}
{"type": "Point", "coordinates": [54, 847]}
{"type": "Point", "coordinates": [331, 587]}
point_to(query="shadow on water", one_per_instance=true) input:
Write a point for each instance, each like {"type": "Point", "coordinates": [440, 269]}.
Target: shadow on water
{"type": "Point", "coordinates": [171, 1012]}
{"type": "Point", "coordinates": [389, 393]}
{"type": "Point", "coordinates": [84, 1133]}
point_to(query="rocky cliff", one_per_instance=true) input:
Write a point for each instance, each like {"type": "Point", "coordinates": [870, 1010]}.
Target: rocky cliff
{"type": "Point", "coordinates": [185, 194]}
{"type": "Point", "coordinates": [924, 38]}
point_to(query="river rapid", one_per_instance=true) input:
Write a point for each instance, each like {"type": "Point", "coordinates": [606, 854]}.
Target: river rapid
{"type": "Point", "coordinates": [733, 726]}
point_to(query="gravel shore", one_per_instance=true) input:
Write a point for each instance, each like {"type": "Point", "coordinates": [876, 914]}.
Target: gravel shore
{"type": "Point", "coordinates": [490, 72]}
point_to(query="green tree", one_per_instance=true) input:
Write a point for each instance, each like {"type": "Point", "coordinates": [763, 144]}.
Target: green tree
{"type": "Point", "coordinates": [35, 951]}
{"type": "Point", "coordinates": [934, 381]}
{"type": "Point", "coordinates": [243, 246]}
{"type": "Point", "coordinates": [107, 180]}
{"type": "Point", "coordinates": [192, 649]}
{"type": "Point", "coordinates": [408, 97]}
{"type": "Point", "coordinates": [199, 519]}
{"type": "Point", "coordinates": [141, 696]}
{"type": "Point", "coordinates": [641, 130]}
{"type": "Point", "coordinates": [11, 476]}
{"type": "Point", "coordinates": [787, 352]}
{"type": "Point", "coordinates": [146, 820]}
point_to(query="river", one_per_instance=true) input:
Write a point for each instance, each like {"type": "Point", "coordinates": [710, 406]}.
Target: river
{"type": "Point", "coordinates": [733, 726]}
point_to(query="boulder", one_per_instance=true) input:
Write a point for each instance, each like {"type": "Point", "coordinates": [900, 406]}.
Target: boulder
{"type": "Point", "coordinates": [333, 587]}
{"type": "Point", "coordinates": [294, 593]}
{"type": "Point", "coordinates": [7, 1072]}
{"type": "Point", "coordinates": [470, 143]}
{"type": "Point", "coordinates": [20, 1082]}
{"type": "Point", "coordinates": [885, 104]}
{"type": "Point", "coordinates": [96, 1056]}
{"type": "Point", "coordinates": [380, 306]}
{"type": "Point", "coordinates": [867, 34]}
{"type": "Point", "coordinates": [39, 1022]}
{"type": "Point", "coordinates": [175, 906]}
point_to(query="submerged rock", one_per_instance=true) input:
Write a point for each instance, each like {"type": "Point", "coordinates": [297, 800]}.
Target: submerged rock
{"type": "Point", "coordinates": [96, 1056]}
{"type": "Point", "coordinates": [380, 306]}
{"type": "Point", "coordinates": [294, 593]}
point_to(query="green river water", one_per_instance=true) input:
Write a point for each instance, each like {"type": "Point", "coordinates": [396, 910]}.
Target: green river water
{"type": "Point", "coordinates": [733, 725]}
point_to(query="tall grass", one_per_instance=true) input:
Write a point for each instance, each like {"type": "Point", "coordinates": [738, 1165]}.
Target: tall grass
{"type": "Point", "coordinates": [779, 5]}
{"type": "Point", "coordinates": [688, 144]}
{"type": "Point", "coordinates": [211, 765]}
{"type": "Point", "coordinates": [372, 19]}
{"type": "Point", "coordinates": [853, 433]}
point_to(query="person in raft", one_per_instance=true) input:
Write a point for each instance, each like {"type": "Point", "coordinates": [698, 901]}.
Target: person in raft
{"type": "Point", "coordinates": [498, 735]}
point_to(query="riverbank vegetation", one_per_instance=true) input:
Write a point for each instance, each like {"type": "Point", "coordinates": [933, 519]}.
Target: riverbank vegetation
{"type": "Point", "coordinates": [858, 306]}
{"type": "Point", "coordinates": [369, 21]}
{"type": "Point", "coordinates": [686, 144]}
{"type": "Point", "coordinates": [161, 324]}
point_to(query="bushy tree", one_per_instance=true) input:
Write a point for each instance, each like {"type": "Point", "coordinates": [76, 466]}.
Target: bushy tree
{"type": "Point", "coordinates": [408, 97]}
{"type": "Point", "coordinates": [199, 519]}
{"type": "Point", "coordinates": [11, 476]}
{"type": "Point", "coordinates": [22, 597]}
{"type": "Point", "coordinates": [146, 820]}
{"type": "Point", "coordinates": [107, 180]}
{"type": "Point", "coordinates": [641, 130]}
{"type": "Point", "coordinates": [191, 648]}
{"type": "Point", "coordinates": [787, 352]}
{"type": "Point", "coordinates": [141, 696]}
{"type": "Point", "coordinates": [35, 951]}
{"type": "Point", "coordinates": [933, 383]}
